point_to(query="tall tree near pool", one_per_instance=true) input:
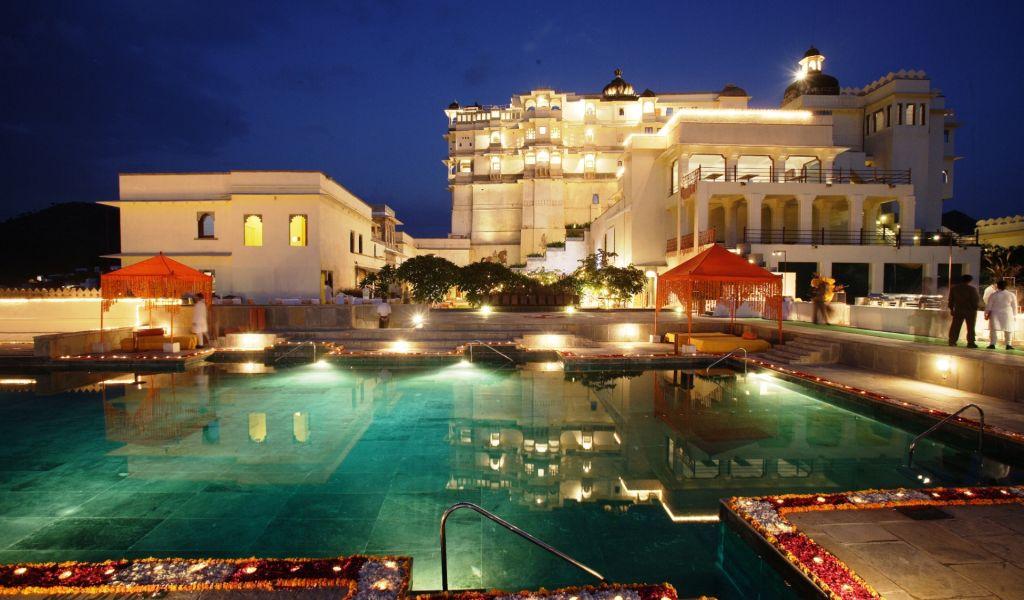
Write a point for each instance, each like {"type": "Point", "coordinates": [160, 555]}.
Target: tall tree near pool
{"type": "Point", "coordinates": [429, 276]}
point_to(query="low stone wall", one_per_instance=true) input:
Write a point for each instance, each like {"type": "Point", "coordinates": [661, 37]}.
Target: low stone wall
{"type": "Point", "coordinates": [74, 343]}
{"type": "Point", "coordinates": [311, 317]}
{"type": "Point", "coordinates": [911, 321]}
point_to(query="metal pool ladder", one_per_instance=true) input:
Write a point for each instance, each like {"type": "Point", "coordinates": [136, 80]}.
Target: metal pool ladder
{"type": "Point", "coordinates": [981, 430]}
{"type": "Point", "coordinates": [720, 359]}
{"type": "Point", "coordinates": [296, 347]}
{"type": "Point", "coordinates": [526, 536]}
{"type": "Point", "coordinates": [493, 349]}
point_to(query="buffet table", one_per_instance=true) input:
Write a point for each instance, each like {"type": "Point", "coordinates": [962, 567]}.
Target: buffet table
{"type": "Point", "coordinates": [926, 322]}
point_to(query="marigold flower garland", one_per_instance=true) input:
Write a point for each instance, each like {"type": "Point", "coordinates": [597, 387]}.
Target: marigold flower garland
{"type": "Point", "coordinates": [767, 516]}
{"type": "Point", "coordinates": [362, 577]}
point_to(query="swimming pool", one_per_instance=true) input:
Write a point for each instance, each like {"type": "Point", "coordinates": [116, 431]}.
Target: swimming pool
{"type": "Point", "coordinates": [623, 471]}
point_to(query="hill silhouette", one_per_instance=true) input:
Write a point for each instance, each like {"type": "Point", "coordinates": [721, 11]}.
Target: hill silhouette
{"type": "Point", "coordinates": [63, 243]}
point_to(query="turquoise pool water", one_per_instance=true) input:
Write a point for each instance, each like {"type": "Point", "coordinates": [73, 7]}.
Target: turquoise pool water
{"type": "Point", "coordinates": [622, 471]}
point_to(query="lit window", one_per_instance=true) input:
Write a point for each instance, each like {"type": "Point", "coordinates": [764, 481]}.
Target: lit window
{"type": "Point", "coordinates": [205, 223]}
{"type": "Point", "coordinates": [543, 156]}
{"type": "Point", "coordinates": [542, 101]}
{"type": "Point", "coordinates": [911, 114]}
{"type": "Point", "coordinates": [495, 164]}
{"type": "Point", "coordinates": [543, 130]}
{"type": "Point", "coordinates": [465, 166]}
{"type": "Point", "coordinates": [588, 161]}
{"type": "Point", "coordinates": [556, 133]}
{"type": "Point", "coordinates": [253, 230]}
{"type": "Point", "coordinates": [589, 134]}
{"type": "Point", "coordinates": [495, 137]}
{"type": "Point", "coordinates": [530, 158]}
{"type": "Point", "coordinates": [675, 176]}
{"type": "Point", "coordinates": [531, 134]}
{"type": "Point", "coordinates": [297, 230]}
{"type": "Point", "coordinates": [879, 120]}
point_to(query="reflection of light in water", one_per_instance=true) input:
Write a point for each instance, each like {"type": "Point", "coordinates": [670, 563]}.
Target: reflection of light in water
{"type": "Point", "coordinates": [587, 466]}
{"type": "Point", "coordinates": [495, 438]}
{"type": "Point", "coordinates": [587, 441]}
{"type": "Point", "coordinates": [300, 427]}
{"type": "Point", "coordinates": [400, 347]}
{"type": "Point", "coordinates": [257, 427]}
{"type": "Point", "coordinates": [322, 364]}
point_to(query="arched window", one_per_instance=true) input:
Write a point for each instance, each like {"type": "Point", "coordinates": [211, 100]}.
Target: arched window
{"type": "Point", "coordinates": [253, 230]}
{"type": "Point", "coordinates": [495, 164]}
{"type": "Point", "coordinates": [205, 223]}
{"type": "Point", "coordinates": [495, 138]}
{"type": "Point", "coordinates": [297, 230]}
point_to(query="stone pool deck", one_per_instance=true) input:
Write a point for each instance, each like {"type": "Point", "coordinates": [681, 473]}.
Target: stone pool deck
{"type": "Point", "coordinates": [941, 543]}
{"type": "Point", "coordinates": [951, 552]}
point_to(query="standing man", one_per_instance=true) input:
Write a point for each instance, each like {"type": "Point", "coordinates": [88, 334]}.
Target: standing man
{"type": "Point", "coordinates": [963, 305]}
{"type": "Point", "coordinates": [199, 326]}
{"type": "Point", "coordinates": [1001, 311]}
{"type": "Point", "coordinates": [383, 314]}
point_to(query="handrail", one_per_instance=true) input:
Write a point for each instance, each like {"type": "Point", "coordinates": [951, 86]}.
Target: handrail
{"type": "Point", "coordinates": [981, 430]}
{"type": "Point", "coordinates": [526, 536]}
{"type": "Point", "coordinates": [731, 352]}
{"type": "Point", "coordinates": [297, 346]}
{"type": "Point", "coordinates": [495, 350]}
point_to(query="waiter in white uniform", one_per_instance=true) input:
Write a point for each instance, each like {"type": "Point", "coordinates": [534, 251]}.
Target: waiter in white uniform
{"type": "Point", "coordinates": [1001, 311]}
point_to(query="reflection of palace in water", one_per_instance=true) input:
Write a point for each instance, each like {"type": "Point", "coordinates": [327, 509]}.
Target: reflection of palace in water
{"type": "Point", "coordinates": [678, 438]}
{"type": "Point", "coordinates": [681, 439]}
{"type": "Point", "coordinates": [196, 427]}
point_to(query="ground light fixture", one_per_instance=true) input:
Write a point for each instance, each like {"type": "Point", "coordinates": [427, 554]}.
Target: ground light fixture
{"type": "Point", "coordinates": [570, 309]}
{"type": "Point", "coordinates": [944, 364]}
{"type": "Point", "coordinates": [486, 309]}
{"type": "Point", "coordinates": [417, 320]}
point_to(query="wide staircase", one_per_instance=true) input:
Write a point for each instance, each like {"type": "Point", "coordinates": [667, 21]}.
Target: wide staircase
{"type": "Point", "coordinates": [436, 335]}
{"type": "Point", "coordinates": [803, 350]}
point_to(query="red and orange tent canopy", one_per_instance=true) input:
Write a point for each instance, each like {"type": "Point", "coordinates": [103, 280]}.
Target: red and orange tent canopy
{"type": "Point", "coordinates": [156, 277]}
{"type": "Point", "coordinates": [718, 275]}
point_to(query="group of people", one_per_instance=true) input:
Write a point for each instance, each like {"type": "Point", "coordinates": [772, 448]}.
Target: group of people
{"type": "Point", "coordinates": [1000, 311]}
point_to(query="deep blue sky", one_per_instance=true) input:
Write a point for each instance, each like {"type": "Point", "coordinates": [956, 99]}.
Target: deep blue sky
{"type": "Point", "coordinates": [90, 88]}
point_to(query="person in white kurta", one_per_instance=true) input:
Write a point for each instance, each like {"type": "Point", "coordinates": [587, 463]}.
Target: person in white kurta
{"type": "Point", "coordinates": [199, 326]}
{"type": "Point", "coordinates": [1001, 311]}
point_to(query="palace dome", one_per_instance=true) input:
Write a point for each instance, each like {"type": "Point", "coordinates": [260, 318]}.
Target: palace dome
{"type": "Point", "coordinates": [812, 51]}
{"type": "Point", "coordinates": [731, 89]}
{"type": "Point", "coordinates": [815, 83]}
{"type": "Point", "coordinates": [618, 88]}
{"type": "Point", "coordinates": [648, 93]}
{"type": "Point", "coordinates": [453, 106]}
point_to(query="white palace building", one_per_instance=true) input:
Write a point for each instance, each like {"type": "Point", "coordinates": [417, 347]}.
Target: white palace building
{"type": "Point", "coordinates": [848, 182]}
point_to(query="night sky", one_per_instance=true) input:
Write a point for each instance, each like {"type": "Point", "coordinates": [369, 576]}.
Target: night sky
{"type": "Point", "coordinates": [90, 88]}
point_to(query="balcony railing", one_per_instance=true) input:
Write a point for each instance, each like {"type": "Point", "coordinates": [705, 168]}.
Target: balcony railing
{"type": "Point", "coordinates": [803, 175]}
{"type": "Point", "coordinates": [686, 241]}
{"type": "Point", "coordinates": [829, 237]}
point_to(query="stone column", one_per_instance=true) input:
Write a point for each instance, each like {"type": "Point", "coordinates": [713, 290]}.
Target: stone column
{"type": "Point", "coordinates": [730, 166]}
{"type": "Point", "coordinates": [779, 165]}
{"type": "Point", "coordinates": [876, 273]}
{"type": "Point", "coordinates": [729, 211]}
{"type": "Point", "coordinates": [701, 200]}
{"type": "Point", "coordinates": [805, 204]}
{"type": "Point", "coordinates": [826, 167]}
{"type": "Point", "coordinates": [907, 217]}
{"type": "Point", "coordinates": [754, 205]}
{"type": "Point", "coordinates": [855, 222]}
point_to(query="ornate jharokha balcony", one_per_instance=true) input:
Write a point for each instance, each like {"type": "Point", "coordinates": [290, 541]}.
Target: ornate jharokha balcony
{"type": "Point", "coordinates": [734, 174]}
{"type": "Point", "coordinates": [831, 237]}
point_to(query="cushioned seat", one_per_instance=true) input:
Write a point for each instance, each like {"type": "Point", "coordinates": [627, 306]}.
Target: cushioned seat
{"type": "Point", "coordinates": [684, 339]}
{"type": "Point", "coordinates": [156, 342]}
{"type": "Point", "coordinates": [728, 343]}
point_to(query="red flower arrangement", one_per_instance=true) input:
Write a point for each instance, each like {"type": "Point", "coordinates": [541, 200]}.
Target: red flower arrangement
{"type": "Point", "coordinates": [354, 576]}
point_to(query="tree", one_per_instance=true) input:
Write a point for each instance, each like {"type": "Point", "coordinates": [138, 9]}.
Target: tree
{"type": "Point", "coordinates": [597, 275]}
{"type": "Point", "coordinates": [381, 281]}
{"type": "Point", "coordinates": [431, 277]}
{"type": "Point", "coordinates": [1000, 263]}
{"type": "Point", "coordinates": [480, 279]}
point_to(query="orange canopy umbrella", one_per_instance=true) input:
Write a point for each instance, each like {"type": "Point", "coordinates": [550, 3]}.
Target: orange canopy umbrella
{"type": "Point", "coordinates": [155, 277]}
{"type": "Point", "coordinates": [719, 275]}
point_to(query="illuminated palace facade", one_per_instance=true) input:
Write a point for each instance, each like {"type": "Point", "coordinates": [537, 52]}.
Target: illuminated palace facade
{"type": "Point", "coordinates": [863, 171]}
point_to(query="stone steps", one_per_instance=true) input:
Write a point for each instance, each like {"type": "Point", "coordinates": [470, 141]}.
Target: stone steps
{"type": "Point", "coordinates": [803, 350]}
